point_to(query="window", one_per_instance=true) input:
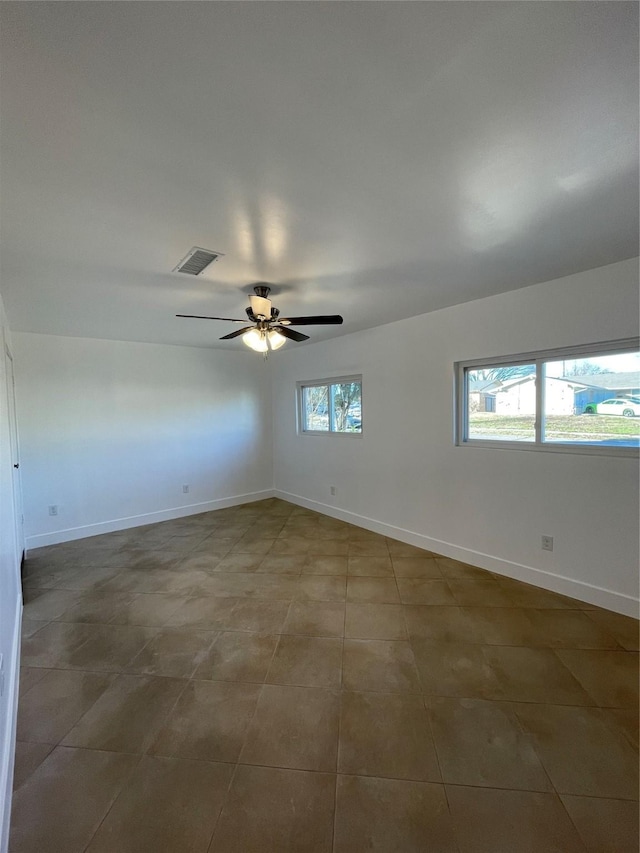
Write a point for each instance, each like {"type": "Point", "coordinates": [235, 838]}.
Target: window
{"type": "Point", "coordinates": [331, 406]}
{"type": "Point", "coordinates": [584, 399]}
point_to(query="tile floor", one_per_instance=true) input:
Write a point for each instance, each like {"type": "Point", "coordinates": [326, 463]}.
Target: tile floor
{"type": "Point", "coordinates": [264, 678]}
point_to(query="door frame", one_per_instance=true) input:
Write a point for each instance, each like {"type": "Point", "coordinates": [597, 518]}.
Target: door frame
{"type": "Point", "coordinates": [14, 443]}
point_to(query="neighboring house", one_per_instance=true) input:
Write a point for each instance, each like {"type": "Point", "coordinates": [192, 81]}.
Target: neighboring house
{"type": "Point", "coordinates": [566, 395]}
{"type": "Point", "coordinates": [482, 395]}
{"type": "Point", "coordinates": [518, 396]}
{"type": "Point", "coordinates": [602, 386]}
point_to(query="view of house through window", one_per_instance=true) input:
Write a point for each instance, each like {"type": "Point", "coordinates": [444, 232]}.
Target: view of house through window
{"type": "Point", "coordinates": [595, 400]}
{"type": "Point", "coordinates": [331, 406]}
{"type": "Point", "coordinates": [502, 402]}
{"type": "Point", "coordinates": [569, 397]}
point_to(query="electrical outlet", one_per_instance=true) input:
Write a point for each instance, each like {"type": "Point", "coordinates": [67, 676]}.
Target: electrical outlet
{"type": "Point", "coordinates": [185, 489]}
{"type": "Point", "coordinates": [332, 490]}
{"type": "Point", "coordinates": [53, 509]}
{"type": "Point", "coordinates": [547, 543]}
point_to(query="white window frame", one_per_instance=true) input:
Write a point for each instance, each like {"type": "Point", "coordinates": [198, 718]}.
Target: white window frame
{"type": "Point", "coordinates": [326, 383]}
{"type": "Point", "coordinates": [461, 408]}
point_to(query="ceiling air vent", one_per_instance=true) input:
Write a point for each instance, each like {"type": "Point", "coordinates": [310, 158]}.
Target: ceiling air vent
{"type": "Point", "coordinates": [196, 260]}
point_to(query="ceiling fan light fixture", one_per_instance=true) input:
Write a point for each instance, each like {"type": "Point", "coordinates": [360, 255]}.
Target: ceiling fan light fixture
{"type": "Point", "coordinates": [270, 332]}
{"type": "Point", "coordinates": [260, 306]}
{"type": "Point", "coordinates": [256, 340]}
{"type": "Point", "coordinates": [276, 340]}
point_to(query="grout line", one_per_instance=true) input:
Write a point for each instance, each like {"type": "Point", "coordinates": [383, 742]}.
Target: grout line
{"type": "Point", "coordinates": [223, 804]}
{"type": "Point", "coordinates": [427, 710]}
{"type": "Point", "coordinates": [335, 809]}
{"type": "Point", "coordinates": [273, 655]}
{"type": "Point", "coordinates": [250, 723]}
{"type": "Point", "coordinates": [215, 636]}
{"type": "Point", "coordinates": [422, 692]}
{"type": "Point", "coordinates": [441, 782]}
{"type": "Point", "coordinates": [126, 781]}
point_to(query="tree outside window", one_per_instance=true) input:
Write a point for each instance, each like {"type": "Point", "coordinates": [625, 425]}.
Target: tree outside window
{"type": "Point", "coordinates": [328, 406]}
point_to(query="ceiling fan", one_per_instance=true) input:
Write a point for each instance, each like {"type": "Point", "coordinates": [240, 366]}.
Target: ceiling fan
{"type": "Point", "coordinates": [269, 331]}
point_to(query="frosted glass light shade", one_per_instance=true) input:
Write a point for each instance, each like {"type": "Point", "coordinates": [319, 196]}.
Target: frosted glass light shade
{"type": "Point", "coordinates": [276, 340]}
{"type": "Point", "coordinates": [256, 340]}
{"type": "Point", "coordinates": [260, 306]}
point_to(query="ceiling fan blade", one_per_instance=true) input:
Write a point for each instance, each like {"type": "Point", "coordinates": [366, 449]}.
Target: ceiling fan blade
{"type": "Point", "coordinates": [199, 317]}
{"type": "Point", "coordinates": [235, 334]}
{"type": "Point", "coordinates": [291, 334]}
{"type": "Point", "coordinates": [320, 320]}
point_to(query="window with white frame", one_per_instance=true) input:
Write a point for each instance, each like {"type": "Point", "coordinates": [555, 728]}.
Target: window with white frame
{"type": "Point", "coordinates": [330, 406]}
{"type": "Point", "coordinates": [584, 399]}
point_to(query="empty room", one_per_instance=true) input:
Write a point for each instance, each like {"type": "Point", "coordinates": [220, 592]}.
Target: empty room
{"type": "Point", "coordinates": [319, 427]}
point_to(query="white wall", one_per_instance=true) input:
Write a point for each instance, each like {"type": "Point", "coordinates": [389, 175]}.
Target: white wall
{"type": "Point", "coordinates": [10, 594]}
{"type": "Point", "coordinates": [486, 506]}
{"type": "Point", "coordinates": [110, 431]}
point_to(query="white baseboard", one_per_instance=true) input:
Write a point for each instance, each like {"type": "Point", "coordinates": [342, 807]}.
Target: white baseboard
{"type": "Point", "coordinates": [8, 736]}
{"type": "Point", "coordinates": [57, 536]}
{"type": "Point", "coordinates": [590, 593]}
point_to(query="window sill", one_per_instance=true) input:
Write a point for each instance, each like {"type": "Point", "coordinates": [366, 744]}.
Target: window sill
{"type": "Point", "coordinates": [582, 450]}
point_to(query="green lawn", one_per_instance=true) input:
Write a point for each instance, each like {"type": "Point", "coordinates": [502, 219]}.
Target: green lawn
{"type": "Point", "coordinates": [568, 427]}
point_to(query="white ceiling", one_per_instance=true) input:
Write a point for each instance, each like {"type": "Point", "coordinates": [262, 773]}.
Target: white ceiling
{"type": "Point", "coordinates": [376, 160]}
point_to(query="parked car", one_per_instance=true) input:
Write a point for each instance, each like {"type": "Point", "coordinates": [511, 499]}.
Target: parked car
{"type": "Point", "coordinates": [627, 407]}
